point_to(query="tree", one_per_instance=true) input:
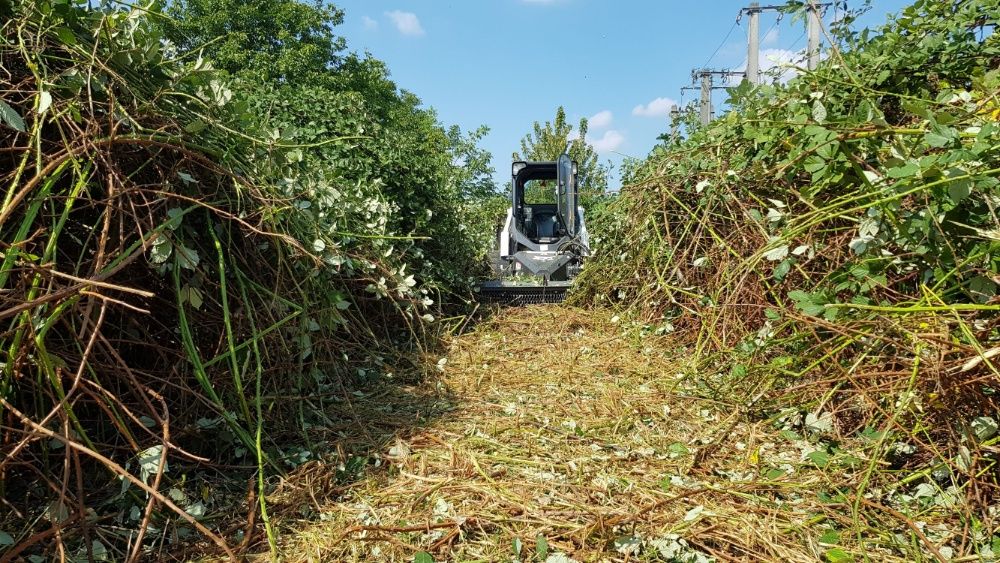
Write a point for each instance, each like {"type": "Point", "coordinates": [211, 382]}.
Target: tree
{"type": "Point", "coordinates": [473, 173]}
{"type": "Point", "coordinates": [260, 40]}
{"type": "Point", "coordinates": [550, 140]}
{"type": "Point", "coordinates": [401, 173]}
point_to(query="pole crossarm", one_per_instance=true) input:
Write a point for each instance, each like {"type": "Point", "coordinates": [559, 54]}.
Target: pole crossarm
{"type": "Point", "coordinates": [780, 8]}
{"type": "Point", "coordinates": [701, 72]}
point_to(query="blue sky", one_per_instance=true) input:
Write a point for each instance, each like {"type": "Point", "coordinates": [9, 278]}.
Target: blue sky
{"type": "Point", "coordinates": [509, 63]}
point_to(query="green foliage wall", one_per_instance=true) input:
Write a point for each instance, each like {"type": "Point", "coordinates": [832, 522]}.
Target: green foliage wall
{"type": "Point", "coordinates": [198, 248]}
{"type": "Point", "coordinates": [834, 241]}
{"type": "Point", "coordinates": [300, 85]}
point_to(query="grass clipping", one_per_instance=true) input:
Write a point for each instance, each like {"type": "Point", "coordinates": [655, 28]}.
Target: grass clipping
{"type": "Point", "coordinates": [570, 435]}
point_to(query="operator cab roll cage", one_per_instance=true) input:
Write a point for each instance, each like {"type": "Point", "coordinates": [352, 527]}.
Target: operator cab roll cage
{"type": "Point", "coordinates": [546, 223]}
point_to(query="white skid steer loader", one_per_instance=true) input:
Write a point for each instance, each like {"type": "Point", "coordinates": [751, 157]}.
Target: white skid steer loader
{"type": "Point", "coordinates": [544, 240]}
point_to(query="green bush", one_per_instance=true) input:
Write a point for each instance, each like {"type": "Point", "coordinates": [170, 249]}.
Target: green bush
{"type": "Point", "coordinates": [832, 242]}
{"type": "Point", "coordinates": [186, 252]}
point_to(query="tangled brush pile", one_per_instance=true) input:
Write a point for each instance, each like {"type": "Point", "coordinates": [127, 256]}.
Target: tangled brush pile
{"type": "Point", "coordinates": [174, 281]}
{"type": "Point", "coordinates": [829, 251]}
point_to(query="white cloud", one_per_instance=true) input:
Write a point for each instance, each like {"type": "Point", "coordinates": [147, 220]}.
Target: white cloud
{"type": "Point", "coordinates": [771, 37]}
{"type": "Point", "coordinates": [660, 107]}
{"type": "Point", "coordinates": [609, 142]}
{"type": "Point", "coordinates": [369, 23]}
{"type": "Point", "coordinates": [406, 23]}
{"type": "Point", "coordinates": [600, 120]}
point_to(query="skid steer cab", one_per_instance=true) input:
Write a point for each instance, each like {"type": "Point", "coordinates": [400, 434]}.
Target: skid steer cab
{"type": "Point", "coordinates": [544, 238]}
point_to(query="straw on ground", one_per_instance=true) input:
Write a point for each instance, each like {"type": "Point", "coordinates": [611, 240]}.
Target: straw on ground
{"type": "Point", "coordinates": [562, 434]}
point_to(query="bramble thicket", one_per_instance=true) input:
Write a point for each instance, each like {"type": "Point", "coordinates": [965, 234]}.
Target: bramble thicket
{"type": "Point", "coordinates": [228, 244]}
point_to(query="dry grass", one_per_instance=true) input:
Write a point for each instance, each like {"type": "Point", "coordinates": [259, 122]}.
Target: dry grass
{"type": "Point", "coordinates": [571, 427]}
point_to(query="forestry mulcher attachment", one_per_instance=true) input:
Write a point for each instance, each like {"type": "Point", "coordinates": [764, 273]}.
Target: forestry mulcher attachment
{"type": "Point", "coordinates": [544, 240]}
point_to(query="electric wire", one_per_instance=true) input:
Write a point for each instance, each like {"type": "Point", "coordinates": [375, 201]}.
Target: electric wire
{"type": "Point", "coordinates": [777, 21]}
{"type": "Point", "coordinates": [724, 39]}
{"type": "Point", "coordinates": [792, 48]}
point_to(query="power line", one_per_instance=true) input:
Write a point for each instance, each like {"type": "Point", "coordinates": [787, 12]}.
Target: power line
{"type": "Point", "coordinates": [719, 48]}
{"type": "Point", "coordinates": [774, 25]}
{"type": "Point", "coordinates": [796, 42]}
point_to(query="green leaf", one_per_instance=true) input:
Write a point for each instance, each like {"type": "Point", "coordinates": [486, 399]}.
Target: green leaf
{"type": "Point", "coordinates": [814, 164]}
{"type": "Point", "coordinates": [176, 216]}
{"type": "Point", "coordinates": [541, 547]}
{"type": "Point", "coordinates": [819, 423]}
{"type": "Point", "coordinates": [984, 427]}
{"type": "Point", "coordinates": [66, 35]}
{"type": "Point", "coordinates": [907, 170]}
{"type": "Point", "coordinates": [774, 473]}
{"type": "Point", "coordinates": [871, 434]}
{"type": "Point", "coordinates": [192, 295]}
{"type": "Point", "coordinates": [959, 190]}
{"type": "Point", "coordinates": [917, 107]}
{"type": "Point", "coordinates": [940, 136]}
{"type": "Point", "coordinates": [149, 462]}
{"type": "Point", "coordinates": [518, 546]}
{"type": "Point", "coordinates": [807, 303]}
{"type": "Point", "coordinates": [830, 537]}
{"type": "Point", "coordinates": [776, 254]}
{"type": "Point", "coordinates": [830, 314]}
{"type": "Point", "coordinates": [162, 249]}
{"type": "Point", "coordinates": [982, 288]}
{"type": "Point", "coordinates": [818, 133]}
{"type": "Point", "coordinates": [790, 435]}
{"type": "Point", "coordinates": [819, 458]}
{"type": "Point", "coordinates": [99, 550]}
{"type": "Point", "coordinates": [423, 557]}
{"type": "Point", "coordinates": [781, 270]}
{"type": "Point", "coordinates": [937, 140]}
{"type": "Point", "coordinates": [195, 126]}
{"type": "Point", "coordinates": [188, 258]}
{"type": "Point", "coordinates": [837, 555]}
{"type": "Point", "coordinates": [799, 295]}
{"type": "Point", "coordinates": [6, 539]}
{"type": "Point", "coordinates": [10, 116]}
{"type": "Point", "coordinates": [677, 448]}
